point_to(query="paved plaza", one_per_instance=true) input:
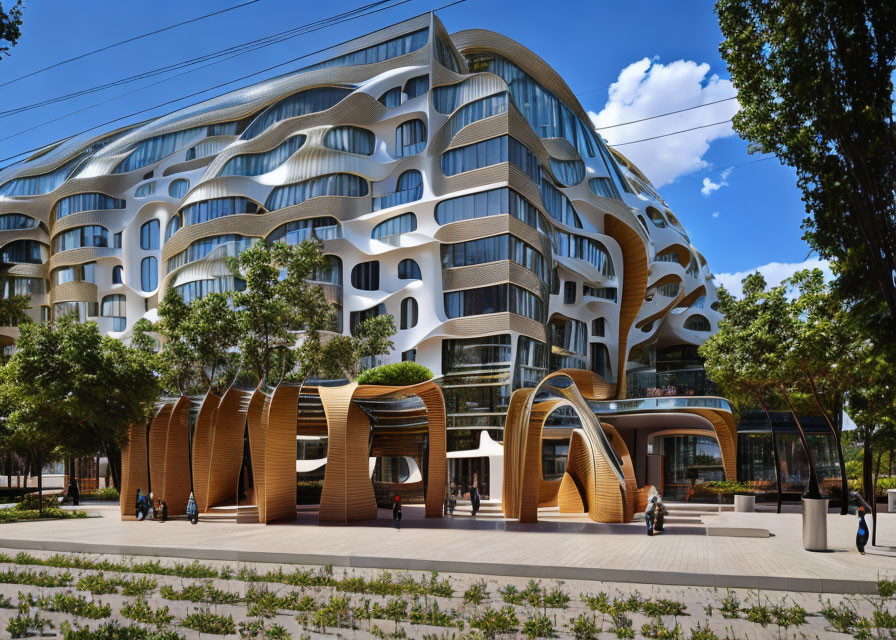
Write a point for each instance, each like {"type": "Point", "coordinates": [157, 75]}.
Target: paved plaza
{"type": "Point", "coordinates": [555, 549]}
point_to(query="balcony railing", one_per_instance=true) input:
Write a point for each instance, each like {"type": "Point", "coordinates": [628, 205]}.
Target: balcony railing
{"type": "Point", "coordinates": [681, 382]}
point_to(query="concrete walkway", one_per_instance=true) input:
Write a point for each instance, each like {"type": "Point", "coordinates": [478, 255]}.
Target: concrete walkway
{"type": "Point", "coordinates": [563, 550]}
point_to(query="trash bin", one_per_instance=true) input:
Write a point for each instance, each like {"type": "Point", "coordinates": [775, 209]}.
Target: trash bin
{"type": "Point", "coordinates": [891, 500]}
{"type": "Point", "coordinates": [744, 504]}
{"type": "Point", "coordinates": [815, 524]}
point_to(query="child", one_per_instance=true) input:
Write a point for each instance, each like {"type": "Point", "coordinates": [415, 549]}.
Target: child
{"type": "Point", "coordinates": [396, 512]}
{"type": "Point", "coordinates": [862, 533]}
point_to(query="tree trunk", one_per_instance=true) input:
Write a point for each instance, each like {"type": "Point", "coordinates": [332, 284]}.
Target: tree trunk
{"type": "Point", "coordinates": [40, 488]}
{"type": "Point", "coordinates": [868, 487]}
{"type": "Point", "coordinates": [774, 448]}
{"type": "Point", "coordinates": [813, 491]}
{"type": "Point", "coordinates": [844, 485]}
{"type": "Point", "coordinates": [113, 454]}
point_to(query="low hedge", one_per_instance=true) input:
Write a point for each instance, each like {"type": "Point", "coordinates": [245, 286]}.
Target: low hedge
{"type": "Point", "coordinates": [399, 374]}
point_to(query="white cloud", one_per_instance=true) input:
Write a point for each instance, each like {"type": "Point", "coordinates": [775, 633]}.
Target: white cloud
{"type": "Point", "coordinates": [709, 186]}
{"type": "Point", "coordinates": [647, 88]}
{"type": "Point", "coordinates": [774, 273]}
{"type": "Point", "coordinates": [715, 214]}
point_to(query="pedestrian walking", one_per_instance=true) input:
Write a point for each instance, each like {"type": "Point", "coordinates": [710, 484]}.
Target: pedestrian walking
{"type": "Point", "coordinates": [659, 515]}
{"type": "Point", "coordinates": [474, 493]}
{"type": "Point", "coordinates": [192, 510]}
{"type": "Point", "coordinates": [650, 515]}
{"type": "Point", "coordinates": [396, 512]}
{"type": "Point", "coordinates": [863, 533]}
{"type": "Point", "coordinates": [150, 511]}
{"type": "Point", "coordinates": [164, 509]}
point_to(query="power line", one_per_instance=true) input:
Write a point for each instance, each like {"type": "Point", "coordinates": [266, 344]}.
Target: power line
{"type": "Point", "coordinates": [321, 24]}
{"type": "Point", "coordinates": [118, 44]}
{"type": "Point", "coordinates": [240, 49]}
{"type": "Point", "coordinates": [223, 84]}
{"type": "Point", "coordinates": [671, 133]}
{"type": "Point", "coordinates": [668, 113]}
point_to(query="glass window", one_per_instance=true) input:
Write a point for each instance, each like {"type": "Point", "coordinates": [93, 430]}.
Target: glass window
{"type": "Point", "coordinates": [656, 217]}
{"type": "Point", "coordinates": [116, 240]}
{"type": "Point", "coordinates": [697, 323]}
{"type": "Point", "coordinates": [558, 206]}
{"type": "Point", "coordinates": [206, 148]}
{"type": "Point", "coordinates": [494, 299]}
{"type": "Point", "coordinates": [409, 313]}
{"type": "Point", "coordinates": [89, 236]}
{"type": "Point", "coordinates": [42, 183]}
{"type": "Point", "coordinates": [88, 272]}
{"type": "Point", "coordinates": [11, 221]}
{"type": "Point", "coordinates": [256, 164]}
{"type": "Point", "coordinates": [145, 189]}
{"type": "Point", "coordinates": [416, 87]}
{"type": "Point", "coordinates": [568, 172]}
{"type": "Point", "coordinates": [357, 317]}
{"type": "Point", "coordinates": [607, 293]}
{"type": "Point", "coordinates": [405, 223]}
{"type": "Point", "coordinates": [477, 110]}
{"type": "Point", "coordinates": [366, 276]}
{"type": "Point", "coordinates": [351, 140]}
{"type": "Point", "coordinates": [231, 245]}
{"type": "Point", "coordinates": [387, 50]}
{"type": "Point", "coordinates": [86, 202]}
{"type": "Point", "coordinates": [149, 235]}
{"type": "Point", "coordinates": [409, 356]}
{"type": "Point", "coordinates": [392, 98]}
{"type": "Point", "coordinates": [492, 203]}
{"type": "Point", "coordinates": [206, 210]}
{"type": "Point", "coordinates": [115, 307]}
{"type": "Point", "coordinates": [409, 188]}
{"type": "Point", "coordinates": [582, 248]}
{"type": "Point", "coordinates": [491, 152]}
{"type": "Point", "coordinates": [600, 361]}
{"type": "Point", "coordinates": [178, 188]}
{"type": "Point", "coordinates": [117, 274]}
{"type": "Point", "coordinates": [334, 184]}
{"type": "Point", "coordinates": [149, 274]}
{"type": "Point", "coordinates": [598, 327]}
{"type": "Point", "coordinates": [297, 231]}
{"type": "Point", "coordinates": [447, 55]}
{"type": "Point", "coordinates": [569, 293]}
{"type": "Point", "coordinates": [409, 270]}
{"type": "Point", "coordinates": [82, 310]}
{"type": "Point", "coordinates": [154, 149]}
{"type": "Point", "coordinates": [604, 187]}
{"type": "Point", "coordinates": [21, 286]}
{"type": "Point", "coordinates": [298, 104]}
{"type": "Point", "coordinates": [493, 249]}
{"type": "Point", "coordinates": [410, 138]}
{"type": "Point", "coordinates": [172, 227]}
{"type": "Point", "coordinates": [190, 291]}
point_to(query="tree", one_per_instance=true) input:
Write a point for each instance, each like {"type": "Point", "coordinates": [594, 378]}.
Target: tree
{"type": "Point", "coordinates": [280, 298]}
{"type": "Point", "coordinates": [12, 310]}
{"type": "Point", "coordinates": [373, 337]}
{"type": "Point", "coordinates": [212, 331]}
{"type": "Point", "coordinates": [815, 84]}
{"type": "Point", "coordinates": [176, 362]}
{"type": "Point", "coordinates": [10, 27]}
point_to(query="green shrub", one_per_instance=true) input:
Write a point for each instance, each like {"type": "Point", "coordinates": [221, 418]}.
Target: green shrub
{"type": "Point", "coordinates": [703, 632]}
{"type": "Point", "coordinates": [622, 627]}
{"type": "Point", "coordinates": [886, 588]}
{"type": "Point", "coordinates": [207, 622]}
{"type": "Point", "coordinates": [204, 593]}
{"type": "Point", "coordinates": [729, 487]}
{"type": "Point", "coordinates": [789, 616]}
{"type": "Point", "coordinates": [79, 606]}
{"type": "Point", "coordinates": [336, 613]}
{"type": "Point", "coordinates": [98, 584]}
{"type": "Point", "coordinates": [476, 593]}
{"type": "Point", "coordinates": [492, 622]}
{"type": "Point", "coordinates": [398, 374]}
{"type": "Point", "coordinates": [113, 631]}
{"type": "Point", "coordinates": [431, 615]}
{"type": "Point", "coordinates": [600, 602]}
{"type": "Point", "coordinates": [138, 587]}
{"type": "Point", "coordinates": [140, 611]}
{"type": "Point", "coordinates": [41, 579]}
{"type": "Point", "coordinates": [658, 630]}
{"type": "Point", "coordinates": [584, 627]}
{"type": "Point", "coordinates": [663, 607]}
{"type": "Point", "coordinates": [18, 627]}
{"type": "Point", "coordinates": [538, 626]}
{"type": "Point", "coordinates": [842, 618]}
{"type": "Point", "coordinates": [106, 493]}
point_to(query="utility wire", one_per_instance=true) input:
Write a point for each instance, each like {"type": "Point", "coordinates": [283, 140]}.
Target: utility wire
{"type": "Point", "coordinates": [245, 47]}
{"type": "Point", "coordinates": [118, 44]}
{"type": "Point", "coordinates": [217, 86]}
{"type": "Point", "coordinates": [671, 133]}
{"type": "Point", "coordinates": [152, 84]}
{"type": "Point", "coordinates": [668, 113]}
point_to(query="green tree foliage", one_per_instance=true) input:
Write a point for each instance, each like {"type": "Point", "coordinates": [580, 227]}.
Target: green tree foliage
{"type": "Point", "coordinates": [10, 27]}
{"type": "Point", "coordinates": [12, 310]}
{"type": "Point", "coordinates": [281, 297]}
{"type": "Point", "coordinates": [815, 84]}
{"type": "Point", "coordinates": [373, 337]}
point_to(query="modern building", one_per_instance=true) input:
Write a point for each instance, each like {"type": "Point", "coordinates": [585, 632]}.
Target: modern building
{"type": "Point", "coordinates": [457, 184]}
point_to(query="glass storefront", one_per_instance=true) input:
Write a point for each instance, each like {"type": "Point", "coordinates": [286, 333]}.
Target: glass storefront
{"type": "Point", "coordinates": [688, 460]}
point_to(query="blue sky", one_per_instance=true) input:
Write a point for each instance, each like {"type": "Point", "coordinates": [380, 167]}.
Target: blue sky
{"type": "Point", "coordinates": [661, 56]}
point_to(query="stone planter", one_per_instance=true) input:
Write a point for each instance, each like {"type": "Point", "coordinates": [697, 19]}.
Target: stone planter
{"type": "Point", "coordinates": [744, 504]}
{"type": "Point", "coordinates": [815, 524]}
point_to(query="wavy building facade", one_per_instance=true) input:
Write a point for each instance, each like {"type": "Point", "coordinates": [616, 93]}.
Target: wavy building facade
{"type": "Point", "coordinates": [456, 183]}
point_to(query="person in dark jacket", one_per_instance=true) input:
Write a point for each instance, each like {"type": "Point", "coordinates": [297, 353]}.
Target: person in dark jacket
{"type": "Point", "coordinates": [650, 515]}
{"type": "Point", "coordinates": [474, 493]}
{"type": "Point", "coordinates": [139, 513]}
{"type": "Point", "coordinates": [863, 532]}
{"type": "Point", "coordinates": [164, 510]}
{"type": "Point", "coordinates": [192, 509]}
{"type": "Point", "coordinates": [396, 512]}
{"type": "Point", "coordinates": [659, 514]}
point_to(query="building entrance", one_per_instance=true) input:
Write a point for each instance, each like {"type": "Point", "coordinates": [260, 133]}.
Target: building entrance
{"type": "Point", "coordinates": [461, 470]}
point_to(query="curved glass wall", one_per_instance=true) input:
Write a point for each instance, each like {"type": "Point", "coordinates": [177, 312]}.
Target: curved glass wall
{"type": "Point", "coordinates": [568, 172]}
{"type": "Point", "coordinates": [15, 221]}
{"type": "Point", "coordinates": [146, 189]}
{"type": "Point", "coordinates": [256, 164]}
{"type": "Point", "coordinates": [350, 140]}
{"type": "Point", "coordinates": [416, 87]}
{"type": "Point", "coordinates": [604, 187]}
{"type": "Point", "coordinates": [366, 276]}
{"type": "Point", "coordinates": [492, 249]}
{"type": "Point", "coordinates": [82, 310]}
{"type": "Point", "coordinates": [190, 291]}
{"type": "Point", "coordinates": [409, 188]}
{"type": "Point", "coordinates": [410, 138]}
{"type": "Point", "coordinates": [582, 248]}
{"type": "Point", "coordinates": [154, 149]}
{"type": "Point", "coordinates": [334, 184]}
{"type": "Point", "coordinates": [149, 274]}
{"type": "Point", "coordinates": [115, 307]}
{"type": "Point", "coordinates": [495, 202]}
{"type": "Point", "coordinates": [477, 110]}
{"type": "Point", "coordinates": [76, 273]}
{"type": "Point", "coordinates": [409, 314]}
{"type": "Point", "coordinates": [494, 299]}
{"type": "Point", "coordinates": [21, 286]}
{"type": "Point", "coordinates": [605, 293]}
{"type": "Point", "coordinates": [235, 244]}
{"type": "Point", "coordinates": [387, 50]}
{"type": "Point", "coordinates": [206, 148]}
{"type": "Point", "coordinates": [656, 217]}
{"type": "Point", "coordinates": [447, 55]}
{"type": "Point", "coordinates": [178, 188]}
{"type": "Point", "coordinates": [40, 184]}
{"type": "Point", "coordinates": [86, 202]}
{"type": "Point", "coordinates": [668, 255]}
{"type": "Point", "coordinates": [477, 377]}
{"type": "Point", "coordinates": [298, 104]}
{"type": "Point", "coordinates": [392, 98]}
{"type": "Point", "coordinates": [558, 206]}
{"type": "Point", "coordinates": [88, 236]}
{"type": "Point", "coordinates": [490, 152]}
{"type": "Point", "coordinates": [149, 235]}
{"type": "Point", "coordinates": [297, 231]}
{"type": "Point", "coordinates": [569, 343]}
{"type": "Point", "coordinates": [206, 210]}
{"type": "Point", "coordinates": [697, 323]}
{"type": "Point", "coordinates": [172, 227]}
{"type": "Point", "coordinates": [408, 269]}
{"type": "Point", "coordinates": [405, 223]}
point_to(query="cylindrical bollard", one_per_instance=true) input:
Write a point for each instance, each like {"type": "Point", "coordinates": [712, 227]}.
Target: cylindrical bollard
{"type": "Point", "coordinates": [744, 504]}
{"type": "Point", "coordinates": [815, 524]}
{"type": "Point", "coordinates": [891, 500]}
